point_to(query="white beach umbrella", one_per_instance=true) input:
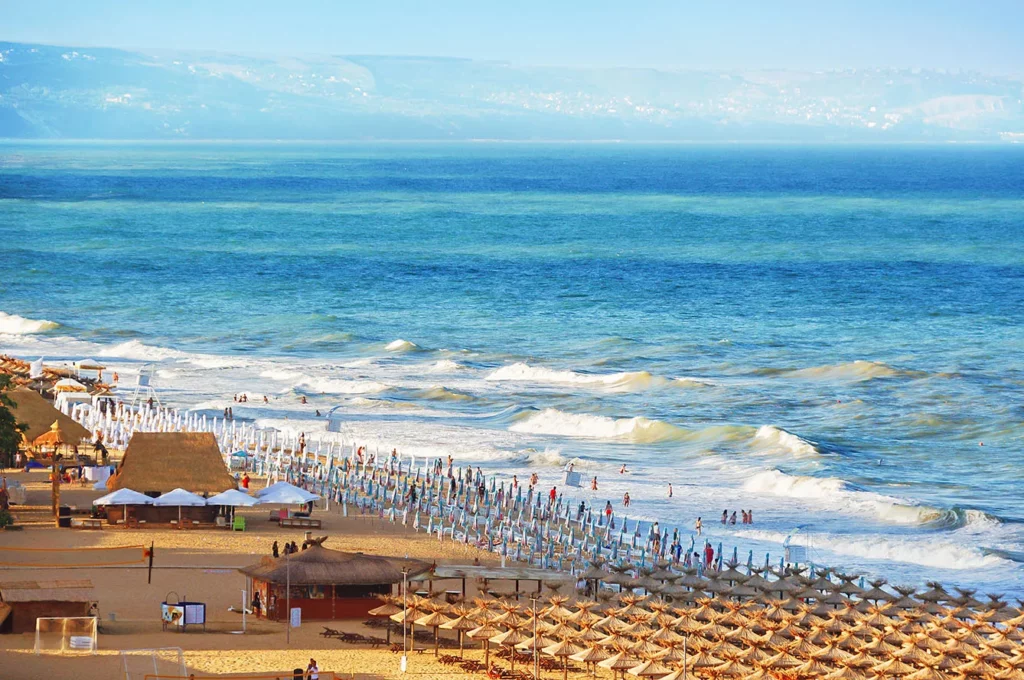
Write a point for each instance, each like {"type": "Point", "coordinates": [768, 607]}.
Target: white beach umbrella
{"type": "Point", "coordinates": [179, 498]}
{"type": "Point", "coordinates": [234, 498]}
{"type": "Point", "coordinates": [290, 495]}
{"type": "Point", "coordinates": [124, 497]}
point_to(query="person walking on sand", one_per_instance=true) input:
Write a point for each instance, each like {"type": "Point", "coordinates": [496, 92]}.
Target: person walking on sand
{"type": "Point", "coordinates": [608, 511]}
{"type": "Point", "coordinates": [698, 526]}
{"type": "Point", "coordinates": [245, 481]}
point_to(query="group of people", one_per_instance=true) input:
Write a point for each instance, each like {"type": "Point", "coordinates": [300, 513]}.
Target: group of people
{"type": "Point", "coordinates": [748, 517]}
{"type": "Point", "coordinates": [244, 399]}
{"type": "Point", "coordinates": [289, 548]}
{"type": "Point", "coordinates": [229, 413]}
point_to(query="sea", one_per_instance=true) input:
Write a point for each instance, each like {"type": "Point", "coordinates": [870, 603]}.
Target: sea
{"type": "Point", "coordinates": [830, 337]}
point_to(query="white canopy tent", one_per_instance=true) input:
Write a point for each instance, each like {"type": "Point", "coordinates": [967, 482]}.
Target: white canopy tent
{"type": "Point", "coordinates": [288, 494]}
{"type": "Point", "coordinates": [179, 498]}
{"type": "Point", "coordinates": [124, 498]}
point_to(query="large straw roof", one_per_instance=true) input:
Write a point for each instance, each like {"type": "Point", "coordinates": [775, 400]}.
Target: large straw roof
{"type": "Point", "coordinates": [33, 410]}
{"type": "Point", "coordinates": [164, 461]}
{"type": "Point", "coordinates": [321, 566]}
{"type": "Point", "coordinates": [46, 591]}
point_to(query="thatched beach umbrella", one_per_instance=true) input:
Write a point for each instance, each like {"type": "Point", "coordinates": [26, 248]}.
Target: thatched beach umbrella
{"type": "Point", "coordinates": [619, 662]}
{"type": "Point", "coordinates": [591, 655]}
{"type": "Point", "coordinates": [485, 633]}
{"type": "Point", "coordinates": [460, 624]}
{"type": "Point", "coordinates": [510, 638]}
{"type": "Point", "coordinates": [652, 668]}
{"type": "Point", "coordinates": [433, 620]}
{"type": "Point", "coordinates": [563, 649]}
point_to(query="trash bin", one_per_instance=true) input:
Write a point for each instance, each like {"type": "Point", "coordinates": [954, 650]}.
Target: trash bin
{"type": "Point", "coordinates": [64, 522]}
{"type": "Point", "coordinates": [298, 673]}
{"type": "Point", "coordinates": [307, 536]}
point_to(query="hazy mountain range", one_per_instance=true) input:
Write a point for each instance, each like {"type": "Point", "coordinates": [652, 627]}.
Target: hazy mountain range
{"type": "Point", "coordinates": [74, 92]}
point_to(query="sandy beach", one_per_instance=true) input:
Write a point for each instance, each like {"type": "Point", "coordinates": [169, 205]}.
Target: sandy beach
{"type": "Point", "coordinates": [200, 566]}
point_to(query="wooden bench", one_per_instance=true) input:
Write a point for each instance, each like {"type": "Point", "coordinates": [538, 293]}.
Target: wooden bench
{"type": "Point", "coordinates": [87, 523]}
{"type": "Point", "coordinates": [300, 522]}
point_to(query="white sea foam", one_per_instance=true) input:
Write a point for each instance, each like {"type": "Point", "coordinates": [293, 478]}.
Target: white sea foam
{"type": "Point", "coordinates": [133, 349]}
{"type": "Point", "coordinates": [340, 386]}
{"type": "Point", "coordinates": [842, 496]}
{"type": "Point", "coordinates": [401, 346]}
{"type": "Point", "coordinates": [445, 366]}
{"type": "Point", "coordinates": [934, 553]}
{"type": "Point", "coordinates": [18, 325]}
{"type": "Point", "coordinates": [641, 430]}
{"type": "Point", "coordinates": [626, 381]}
{"type": "Point", "coordinates": [771, 438]}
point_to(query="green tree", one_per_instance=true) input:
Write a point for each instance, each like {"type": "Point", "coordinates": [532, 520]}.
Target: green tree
{"type": "Point", "coordinates": [10, 428]}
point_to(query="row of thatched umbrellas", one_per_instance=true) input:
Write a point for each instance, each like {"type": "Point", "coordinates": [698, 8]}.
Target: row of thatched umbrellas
{"type": "Point", "coordinates": [793, 627]}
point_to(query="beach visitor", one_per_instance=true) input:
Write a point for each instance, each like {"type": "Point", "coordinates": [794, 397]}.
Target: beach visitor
{"type": "Point", "coordinates": [622, 470]}
{"type": "Point", "coordinates": [271, 606]}
{"type": "Point", "coordinates": [245, 481]}
{"type": "Point", "coordinates": [257, 606]}
{"type": "Point", "coordinates": [274, 550]}
{"type": "Point", "coordinates": [265, 400]}
{"type": "Point", "coordinates": [670, 489]}
{"type": "Point", "coordinates": [732, 519]}
{"type": "Point", "coordinates": [698, 526]}
{"type": "Point", "coordinates": [709, 554]}
{"type": "Point", "coordinates": [725, 517]}
{"type": "Point", "coordinates": [625, 500]}
{"type": "Point", "coordinates": [608, 510]}
{"type": "Point", "coordinates": [515, 480]}
{"type": "Point", "coordinates": [593, 484]}
{"type": "Point", "coordinates": [295, 547]}
{"type": "Point", "coordinates": [750, 516]}
{"type": "Point", "coordinates": [312, 670]}
{"type": "Point", "coordinates": [582, 509]}
{"type": "Point", "coordinates": [116, 377]}
{"type": "Point", "coordinates": [552, 495]}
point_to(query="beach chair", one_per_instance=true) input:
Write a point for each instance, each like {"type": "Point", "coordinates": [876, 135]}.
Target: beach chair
{"type": "Point", "coordinates": [238, 524]}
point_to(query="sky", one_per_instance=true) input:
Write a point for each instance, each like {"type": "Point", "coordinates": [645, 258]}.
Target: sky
{"type": "Point", "coordinates": [718, 34]}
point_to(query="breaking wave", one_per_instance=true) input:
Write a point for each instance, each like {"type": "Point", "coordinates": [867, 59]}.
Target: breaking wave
{"type": "Point", "coordinates": [439, 393]}
{"type": "Point", "coordinates": [133, 349]}
{"type": "Point", "coordinates": [19, 325]}
{"type": "Point", "coordinates": [625, 382]}
{"type": "Point", "coordinates": [340, 386]}
{"type": "Point", "coordinates": [849, 497]}
{"type": "Point", "coordinates": [401, 346]}
{"type": "Point", "coordinates": [854, 371]}
{"type": "Point", "coordinates": [445, 366]}
{"type": "Point", "coordinates": [771, 438]}
{"type": "Point", "coordinates": [939, 554]}
{"type": "Point", "coordinates": [641, 430]}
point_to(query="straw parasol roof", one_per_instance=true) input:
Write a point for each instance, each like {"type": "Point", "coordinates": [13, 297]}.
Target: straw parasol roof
{"type": "Point", "coordinates": [321, 566]}
{"type": "Point", "coordinates": [39, 415]}
{"type": "Point", "coordinates": [652, 668]}
{"type": "Point", "coordinates": [164, 461]}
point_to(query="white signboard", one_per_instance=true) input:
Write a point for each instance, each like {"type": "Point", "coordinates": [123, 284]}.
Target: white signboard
{"type": "Point", "coordinates": [296, 617]}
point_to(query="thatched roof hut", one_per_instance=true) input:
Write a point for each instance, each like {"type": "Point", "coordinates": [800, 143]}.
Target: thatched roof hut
{"type": "Point", "coordinates": [32, 409]}
{"type": "Point", "coordinates": [321, 566]}
{"type": "Point", "coordinates": [164, 461]}
{"type": "Point", "coordinates": [327, 584]}
{"type": "Point", "coordinates": [21, 602]}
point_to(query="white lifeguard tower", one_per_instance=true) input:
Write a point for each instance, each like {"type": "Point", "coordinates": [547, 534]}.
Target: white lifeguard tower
{"type": "Point", "coordinates": [144, 385]}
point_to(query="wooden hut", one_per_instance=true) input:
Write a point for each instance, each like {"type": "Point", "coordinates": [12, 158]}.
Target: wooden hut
{"type": "Point", "coordinates": [327, 584]}
{"type": "Point", "coordinates": [32, 409]}
{"type": "Point", "coordinates": [157, 462]}
{"type": "Point", "coordinates": [22, 602]}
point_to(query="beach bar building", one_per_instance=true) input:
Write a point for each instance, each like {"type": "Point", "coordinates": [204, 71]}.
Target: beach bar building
{"type": "Point", "coordinates": [22, 602]}
{"type": "Point", "coordinates": [327, 584]}
{"type": "Point", "coordinates": [157, 462]}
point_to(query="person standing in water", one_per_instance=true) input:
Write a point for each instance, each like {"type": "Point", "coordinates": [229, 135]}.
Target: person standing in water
{"type": "Point", "coordinates": [725, 517]}
{"type": "Point", "coordinates": [698, 526]}
{"type": "Point", "coordinates": [670, 489]}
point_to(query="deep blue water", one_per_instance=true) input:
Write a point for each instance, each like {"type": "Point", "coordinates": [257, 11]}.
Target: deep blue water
{"type": "Point", "coordinates": [650, 304]}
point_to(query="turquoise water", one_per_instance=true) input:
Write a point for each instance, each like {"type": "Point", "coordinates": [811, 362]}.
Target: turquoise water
{"type": "Point", "coordinates": [824, 335]}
